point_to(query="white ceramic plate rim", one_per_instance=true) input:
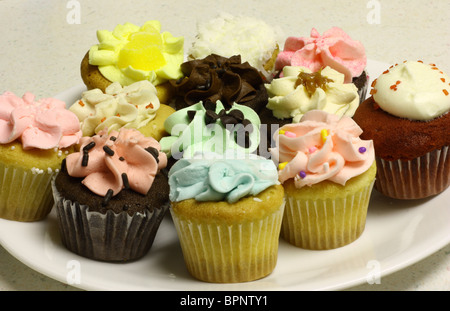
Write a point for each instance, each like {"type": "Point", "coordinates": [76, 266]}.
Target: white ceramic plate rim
{"type": "Point", "coordinates": [397, 235]}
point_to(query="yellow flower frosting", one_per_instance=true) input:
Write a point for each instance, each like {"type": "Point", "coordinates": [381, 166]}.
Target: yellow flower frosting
{"type": "Point", "coordinates": [131, 53]}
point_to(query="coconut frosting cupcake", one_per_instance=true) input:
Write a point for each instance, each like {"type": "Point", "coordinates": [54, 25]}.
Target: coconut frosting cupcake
{"type": "Point", "coordinates": [328, 173]}
{"type": "Point", "coordinates": [407, 118]}
{"type": "Point", "coordinates": [35, 137]}
{"type": "Point", "coordinates": [227, 35]}
{"type": "Point", "coordinates": [227, 211]}
{"type": "Point", "coordinates": [111, 196]}
{"type": "Point", "coordinates": [131, 53]}
{"type": "Point", "coordinates": [134, 106]}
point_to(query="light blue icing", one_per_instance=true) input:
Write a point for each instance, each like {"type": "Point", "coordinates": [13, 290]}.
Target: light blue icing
{"type": "Point", "coordinates": [226, 177]}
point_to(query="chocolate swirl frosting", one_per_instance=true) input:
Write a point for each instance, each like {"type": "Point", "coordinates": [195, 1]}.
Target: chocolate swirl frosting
{"type": "Point", "coordinates": [219, 78]}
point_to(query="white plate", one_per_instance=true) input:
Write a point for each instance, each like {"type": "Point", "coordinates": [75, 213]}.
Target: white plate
{"type": "Point", "coordinates": [397, 234]}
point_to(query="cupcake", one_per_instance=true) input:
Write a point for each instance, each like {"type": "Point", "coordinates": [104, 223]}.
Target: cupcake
{"type": "Point", "coordinates": [227, 35]}
{"type": "Point", "coordinates": [219, 78]}
{"type": "Point", "coordinates": [407, 118]}
{"type": "Point", "coordinates": [327, 173]}
{"type": "Point", "coordinates": [134, 106]}
{"type": "Point", "coordinates": [335, 49]}
{"type": "Point", "coordinates": [35, 137]}
{"type": "Point", "coordinates": [111, 196]}
{"type": "Point", "coordinates": [209, 127]}
{"type": "Point", "coordinates": [227, 211]}
{"type": "Point", "coordinates": [300, 90]}
{"type": "Point", "coordinates": [131, 53]}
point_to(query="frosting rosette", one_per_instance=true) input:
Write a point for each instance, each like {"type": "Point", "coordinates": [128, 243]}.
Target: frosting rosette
{"type": "Point", "coordinates": [300, 90]}
{"type": "Point", "coordinates": [131, 53]}
{"type": "Point", "coordinates": [209, 127]}
{"type": "Point", "coordinates": [322, 146]}
{"type": "Point", "coordinates": [42, 124]}
{"type": "Point", "coordinates": [132, 106]}
{"type": "Point", "coordinates": [219, 78]}
{"type": "Point", "coordinates": [115, 161]}
{"type": "Point", "coordinates": [334, 48]}
{"type": "Point", "coordinates": [220, 177]}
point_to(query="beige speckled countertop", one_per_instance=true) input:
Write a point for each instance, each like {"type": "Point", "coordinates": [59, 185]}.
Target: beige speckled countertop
{"type": "Point", "coordinates": [42, 47]}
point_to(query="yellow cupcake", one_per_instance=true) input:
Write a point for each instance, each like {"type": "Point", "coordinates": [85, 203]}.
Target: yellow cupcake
{"type": "Point", "coordinates": [328, 174]}
{"type": "Point", "coordinates": [131, 53]}
{"type": "Point", "coordinates": [134, 106]}
{"type": "Point", "coordinates": [31, 156]}
{"type": "Point", "coordinates": [222, 241]}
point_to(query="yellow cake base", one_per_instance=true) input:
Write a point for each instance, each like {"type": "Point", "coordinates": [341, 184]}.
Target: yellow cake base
{"type": "Point", "coordinates": [25, 179]}
{"type": "Point", "coordinates": [327, 215]}
{"type": "Point", "coordinates": [93, 79]}
{"type": "Point", "coordinates": [155, 128]}
{"type": "Point", "coordinates": [229, 243]}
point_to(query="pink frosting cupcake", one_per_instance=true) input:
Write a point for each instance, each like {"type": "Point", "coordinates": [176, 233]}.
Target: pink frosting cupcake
{"type": "Point", "coordinates": [334, 48]}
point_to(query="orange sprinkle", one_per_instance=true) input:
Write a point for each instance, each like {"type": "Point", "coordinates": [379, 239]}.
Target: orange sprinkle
{"type": "Point", "coordinates": [373, 91]}
{"type": "Point", "coordinates": [81, 103]}
{"type": "Point", "coordinates": [443, 80]}
{"type": "Point", "coordinates": [420, 61]}
{"type": "Point", "coordinates": [118, 115]}
{"type": "Point", "coordinates": [445, 92]}
{"type": "Point", "coordinates": [435, 68]}
{"type": "Point", "coordinates": [434, 65]}
{"type": "Point", "coordinates": [103, 119]}
{"type": "Point", "coordinates": [386, 71]}
{"type": "Point", "coordinates": [398, 82]}
{"type": "Point", "coordinates": [393, 87]}
{"type": "Point", "coordinates": [374, 83]}
{"type": "Point", "coordinates": [149, 106]}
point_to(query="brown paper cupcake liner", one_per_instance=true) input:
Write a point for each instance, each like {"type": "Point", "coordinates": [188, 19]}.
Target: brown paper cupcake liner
{"type": "Point", "coordinates": [106, 237]}
{"type": "Point", "coordinates": [25, 195]}
{"type": "Point", "coordinates": [414, 179]}
{"type": "Point", "coordinates": [325, 223]}
{"type": "Point", "coordinates": [222, 253]}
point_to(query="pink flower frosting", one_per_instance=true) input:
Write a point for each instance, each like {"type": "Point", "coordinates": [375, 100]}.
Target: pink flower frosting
{"type": "Point", "coordinates": [334, 48]}
{"type": "Point", "coordinates": [118, 160]}
{"type": "Point", "coordinates": [42, 124]}
{"type": "Point", "coordinates": [322, 146]}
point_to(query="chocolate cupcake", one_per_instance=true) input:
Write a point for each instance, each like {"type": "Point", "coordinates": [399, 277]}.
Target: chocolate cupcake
{"type": "Point", "coordinates": [216, 78]}
{"type": "Point", "coordinates": [407, 118]}
{"type": "Point", "coordinates": [112, 196]}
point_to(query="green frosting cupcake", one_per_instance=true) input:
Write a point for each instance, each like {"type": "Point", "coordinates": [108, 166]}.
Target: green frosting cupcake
{"type": "Point", "coordinates": [209, 127]}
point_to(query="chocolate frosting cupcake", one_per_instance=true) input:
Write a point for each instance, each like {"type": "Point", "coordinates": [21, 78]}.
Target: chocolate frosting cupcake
{"type": "Point", "coordinates": [219, 78]}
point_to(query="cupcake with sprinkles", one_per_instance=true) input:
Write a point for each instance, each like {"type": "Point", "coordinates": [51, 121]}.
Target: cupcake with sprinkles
{"type": "Point", "coordinates": [328, 173]}
{"type": "Point", "coordinates": [35, 137]}
{"type": "Point", "coordinates": [112, 195]}
{"type": "Point", "coordinates": [407, 118]}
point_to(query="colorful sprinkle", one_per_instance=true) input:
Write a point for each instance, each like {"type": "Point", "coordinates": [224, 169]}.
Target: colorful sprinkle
{"type": "Point", "coordinates": [312, 149]}
{"type": "Point", "coordinates": [324, 135]}
{"type": "Point", "coordinates": [281, 166]}
{"type": "Point", "coordinates": [290, 134]}
{"type": "Point", "coordinates": [362, 149]}
{"type": "Point", "coordinates": [302, 174]}
{"type": "Point", "coordinates": [281, 132]}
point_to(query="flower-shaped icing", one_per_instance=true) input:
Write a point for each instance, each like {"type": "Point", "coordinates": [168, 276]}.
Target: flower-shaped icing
{"type": "Point", "coordinates": [43, 124]}
{"type": "Point", "coordinates": [118, 160]}
{"type": "Point", "coordinates": [334, 48]}
{"type": "Point", "coordinates": [322, 146]}
{"type": "Point", "coordinates": [131, 53]}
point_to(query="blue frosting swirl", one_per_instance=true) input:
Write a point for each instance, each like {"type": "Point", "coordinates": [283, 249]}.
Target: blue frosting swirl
{"type": "Point", "coordinates": [220, 177]}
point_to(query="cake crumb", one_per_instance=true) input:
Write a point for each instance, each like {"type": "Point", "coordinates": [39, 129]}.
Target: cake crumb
{"type": "Point", "coordinates": [257, 199]}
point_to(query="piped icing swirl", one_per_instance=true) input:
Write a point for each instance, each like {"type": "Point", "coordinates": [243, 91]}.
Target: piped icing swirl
{"type": "Point", "coordinates": [334, 48]}
{"type": "Point", "coordinates": [219, 78]}
{"type": "Point", "coordinates": [132, 106]}
{"type": "Point", "coordinates": [209, 127]}
{"type": "Point", "coordinates": [115, 161]}
{"type": "Point", "coordinates": [224, 177]}
{"type": "Point", "coordinates": [42, 124]}
{"type": "Point", "coordinates": [413, 90]}
{"type": "Point", "coordinates": [321, 147]}
{"type": "Point", "coordinates": [301, 90]}
{"type": "Point", "coordinates": [131, 53]}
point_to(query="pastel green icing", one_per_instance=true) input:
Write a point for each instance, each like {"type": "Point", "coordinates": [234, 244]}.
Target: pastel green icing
{"type": "Point", "coordinates": [189, 137]}
{"type": "Point", "coordinates": [225, 177]}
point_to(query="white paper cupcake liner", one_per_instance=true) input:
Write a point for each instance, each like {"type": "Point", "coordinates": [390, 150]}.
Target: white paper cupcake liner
{"type": "Point", "coordinates": [25, 195]}
{"type": "Point", "coordinates": [325, 223]}
{"type": "Point", "coordinates": [106, 237]}
{"type": "Point", "coordinates": [414, 179]}
{"type": "Point", "coordinates": [223, 253]}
